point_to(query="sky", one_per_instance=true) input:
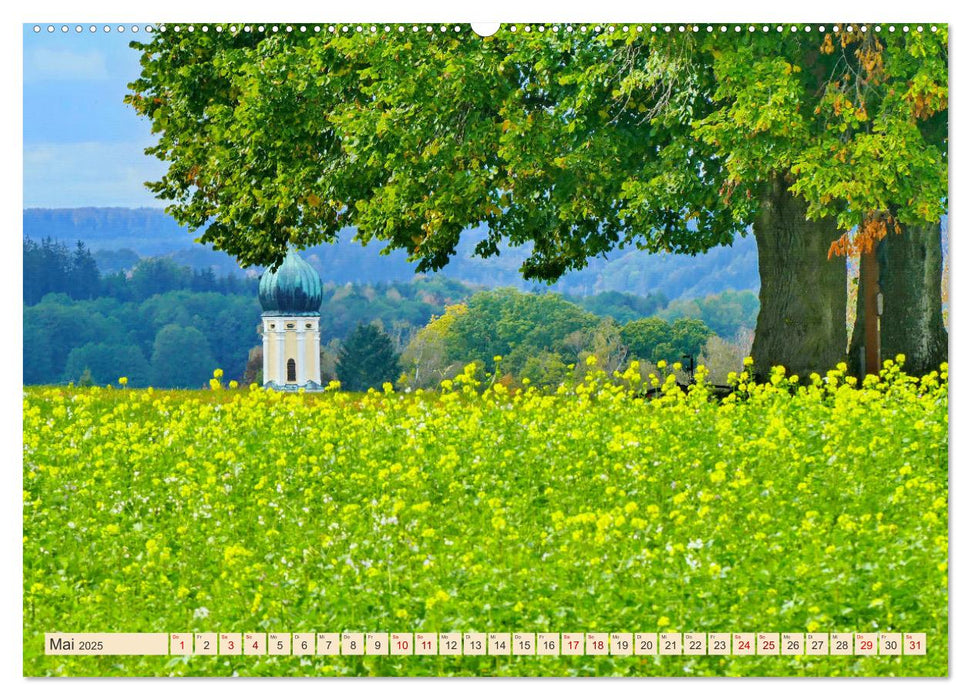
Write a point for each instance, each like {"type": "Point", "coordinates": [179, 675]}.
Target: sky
{"type": "Point", "coordinates": [83, 146]}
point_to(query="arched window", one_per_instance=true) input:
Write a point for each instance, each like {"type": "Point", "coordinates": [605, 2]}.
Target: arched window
{"type": "Point", "coordinates": [291, 370]}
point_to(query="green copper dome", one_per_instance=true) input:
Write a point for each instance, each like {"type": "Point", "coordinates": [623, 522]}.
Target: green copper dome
{"type": "Point", "coordinates": [293, 289]}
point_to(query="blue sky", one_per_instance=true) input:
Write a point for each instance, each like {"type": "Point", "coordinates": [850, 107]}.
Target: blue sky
{"type": "Point", "coordinates": [82, 145]}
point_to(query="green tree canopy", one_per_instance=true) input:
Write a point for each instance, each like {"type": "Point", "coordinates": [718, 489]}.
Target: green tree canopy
{"type": "Point", "coordinates": [182, 358]}
{"type": "Point", "coordinates": [106, 363]}
{"type": "Point", "coordinates": [515, 325]}
{"type": "Point", "coordinates": [367, 359]}
{"type": "Point", "coordinates": [574, 142]}
{"type": "Point", "coordinates": [644, 336]}
{"type": "Point", "coordinates": [654, 339]}
{"type": "Point", "coordinates": [726, 313]}
{"type": "Point", "coordinates": [414, 138]}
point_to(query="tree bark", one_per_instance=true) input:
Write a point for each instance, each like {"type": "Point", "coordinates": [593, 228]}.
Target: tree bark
{"type": "Point", "coordinates": [911, 264]}
{"type": "Point", "coordinates": [802, 314]}
{"type": "Point", "coordinates": [865, 353]}
{"type": "Point", "coordinates": [855, 356]}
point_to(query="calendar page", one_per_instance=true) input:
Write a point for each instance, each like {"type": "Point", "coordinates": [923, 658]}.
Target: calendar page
{"type": "Point", "coordinates": [511, 349]}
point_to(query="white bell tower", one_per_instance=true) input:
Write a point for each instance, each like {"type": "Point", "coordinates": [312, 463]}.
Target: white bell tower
{"type": "Point", "coordinates": [290, 296]}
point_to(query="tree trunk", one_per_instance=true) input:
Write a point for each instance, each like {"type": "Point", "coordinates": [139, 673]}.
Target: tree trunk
{"type": "Point", "coordinates": [855, 357]}
{"type": "Point", "coordinates": [802, 314]}
{"type": "Point", "coordinates": [866, 354]}
{"type": "Point", "coordinates": [910, 278]}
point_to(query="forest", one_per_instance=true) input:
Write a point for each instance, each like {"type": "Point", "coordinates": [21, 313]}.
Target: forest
{"type": "Point", "coordinates": [119, 237]}
{"type": "Point", "coordinates": [162, 324]}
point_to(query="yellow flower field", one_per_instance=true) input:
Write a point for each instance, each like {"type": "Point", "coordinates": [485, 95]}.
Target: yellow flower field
{"type": "Point", "coordinates": [789, 507]}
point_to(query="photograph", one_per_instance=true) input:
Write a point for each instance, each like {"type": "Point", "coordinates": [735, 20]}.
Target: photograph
{"type": "Point", "coordinates": [514, 349]}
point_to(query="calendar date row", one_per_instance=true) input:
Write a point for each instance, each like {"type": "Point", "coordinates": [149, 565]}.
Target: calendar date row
{"type": "Point", "coordinates": [490, 644]}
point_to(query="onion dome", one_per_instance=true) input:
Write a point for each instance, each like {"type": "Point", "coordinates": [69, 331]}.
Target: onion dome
{"type": "Point", "coordinates": [292, 289]}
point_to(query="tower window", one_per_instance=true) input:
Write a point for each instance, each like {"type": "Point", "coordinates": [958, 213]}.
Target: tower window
{"type": "Point", "coordinates": [291, 370]}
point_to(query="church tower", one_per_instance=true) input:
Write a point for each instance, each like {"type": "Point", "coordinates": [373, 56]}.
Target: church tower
{"type": "Point", "coordinates": [290, 297]}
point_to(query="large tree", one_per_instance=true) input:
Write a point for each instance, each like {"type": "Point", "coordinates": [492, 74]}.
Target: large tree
{"type": "Point", "coordinates": [106, 363]}
{"type": "Point", "coordinates": [181, 358]}
{"type": "Point", "coordinates": [881, 167]}
{"type": "Point", "coordinates": [575, 142]}
{"type": "Point", "coordinates": [367, 359]}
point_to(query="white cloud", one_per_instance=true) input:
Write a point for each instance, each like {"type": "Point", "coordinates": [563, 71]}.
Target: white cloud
{"type": "Point", "coordinates": [89, 174]}
{"type": "Point", "coordinates": [42, 64]}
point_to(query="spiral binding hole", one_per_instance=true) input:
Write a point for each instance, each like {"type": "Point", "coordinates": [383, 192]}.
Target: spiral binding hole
{"type": "Point", "coordinates": [445, 29]}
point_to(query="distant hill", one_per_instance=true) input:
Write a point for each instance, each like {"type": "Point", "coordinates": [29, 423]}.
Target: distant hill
{"type": "Point", "coordinates": [146, 231]}
{"type": "Point", "coordinates": [118, 236]}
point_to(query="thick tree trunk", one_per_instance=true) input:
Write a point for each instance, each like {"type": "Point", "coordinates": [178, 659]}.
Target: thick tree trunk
{"type": "Point", "coordinates": [802, 317]}
{"type": "Point", "coordinates": [910, 278]}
